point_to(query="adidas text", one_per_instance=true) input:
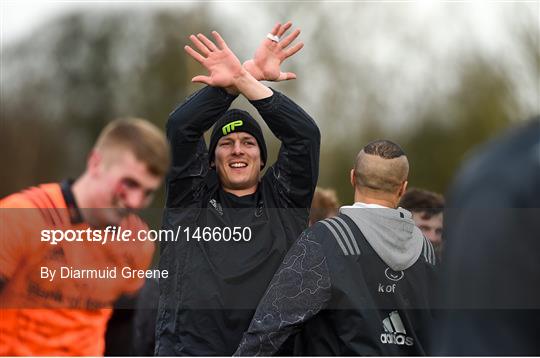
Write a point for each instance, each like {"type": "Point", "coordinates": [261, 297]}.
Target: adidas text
{"type": "Point", "coordinates": [399, 339]}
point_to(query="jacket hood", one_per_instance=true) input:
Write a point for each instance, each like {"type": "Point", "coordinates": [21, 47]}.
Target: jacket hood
{"type": "Point", "coordinates": [391, 232]}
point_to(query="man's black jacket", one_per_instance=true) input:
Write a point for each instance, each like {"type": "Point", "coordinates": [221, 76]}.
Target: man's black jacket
{"type": "Point", "coordinates": [209, 298]}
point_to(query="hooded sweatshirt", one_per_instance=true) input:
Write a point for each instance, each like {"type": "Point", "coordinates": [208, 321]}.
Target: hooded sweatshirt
{"type": "Point", "coordinates": [391, 233]}
{"type": "Point", "coordinates": [356, 284]}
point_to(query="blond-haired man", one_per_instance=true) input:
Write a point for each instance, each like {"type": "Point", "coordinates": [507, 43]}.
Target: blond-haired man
{"type": "Point", "coordinates": [55, 294]}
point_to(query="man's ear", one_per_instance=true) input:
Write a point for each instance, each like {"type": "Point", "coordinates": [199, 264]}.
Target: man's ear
{"type": "Point", "coordinates": [403, 188]}
{"type": "Point", "coordinates": [93, 162]}
{"type": "Point", "coordinates": [353, 181]}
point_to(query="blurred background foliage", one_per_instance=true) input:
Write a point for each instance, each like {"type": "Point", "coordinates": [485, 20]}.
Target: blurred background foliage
{"type": "Point", "coordinates": [367, 71]}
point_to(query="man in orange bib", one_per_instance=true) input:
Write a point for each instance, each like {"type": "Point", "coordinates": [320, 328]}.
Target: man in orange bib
{"type": "Point", "coordinates": [60, 265]}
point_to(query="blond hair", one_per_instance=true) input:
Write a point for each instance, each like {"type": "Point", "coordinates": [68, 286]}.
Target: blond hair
{"type": "Point", "coordinates": [146, 141]}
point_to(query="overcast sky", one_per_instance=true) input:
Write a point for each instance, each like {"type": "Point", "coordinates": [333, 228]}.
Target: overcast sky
{"type": "Point", "coordinates": [19, 17]}
{"type": "Point", "coordinates": [444, 29]}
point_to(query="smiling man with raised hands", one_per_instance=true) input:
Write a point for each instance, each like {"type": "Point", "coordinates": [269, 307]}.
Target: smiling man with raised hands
{"type": "Point", "coordinates": [215, 285]}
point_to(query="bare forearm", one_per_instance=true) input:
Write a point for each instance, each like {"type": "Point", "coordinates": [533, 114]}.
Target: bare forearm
{"type": "Point", "coordinates": [252, 89]}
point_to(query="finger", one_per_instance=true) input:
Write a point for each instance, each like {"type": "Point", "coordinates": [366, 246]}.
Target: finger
{"type": "Point", "coordinates": [197, 56]}
{"type": "Point", "coordinates": [207, 42]}
{"type": "Point", "coordinates": [290, 38]}
{"type": "Point", "coordinates": [275, 29]}
{"type": "Point", "coordinates": [285, 76]}
{"type": "Point", "coordinates": [292, 50]}
{"type": "Point", "coordinates": [221, 43]}
{"type": "Point", "coordinates": [204, 50]}
{"type": "Point", "coordinates": [284, 28]}
{"type": "Point", "coordinates": [201, 79]}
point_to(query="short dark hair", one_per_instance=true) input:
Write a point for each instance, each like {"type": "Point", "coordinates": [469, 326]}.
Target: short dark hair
{"type": "Point", "coordinates": [425, 202]}
{"type": "Point", "coordinates": [384, 148]}
{"type": "Point", "coordinates": [388, 174]}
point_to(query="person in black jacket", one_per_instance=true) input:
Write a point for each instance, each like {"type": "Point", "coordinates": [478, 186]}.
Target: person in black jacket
{"type": "Point", "coordinates": [356, 284]}
{"type": "Point", "coordinates": [490, 287]}
{"type": "Point", "coordinates": [215, 284]}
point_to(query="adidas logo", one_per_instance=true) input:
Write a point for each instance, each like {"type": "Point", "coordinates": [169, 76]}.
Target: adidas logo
{"type": "Point", "coordinates": [394, 331]}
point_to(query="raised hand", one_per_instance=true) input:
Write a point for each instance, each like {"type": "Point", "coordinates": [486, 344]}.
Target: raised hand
{"type": "Point", "coordinates": [222, 64]}
{"type": "Point", "coordinates": [265, 65]}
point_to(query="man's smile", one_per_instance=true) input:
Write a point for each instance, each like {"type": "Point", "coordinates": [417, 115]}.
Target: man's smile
{"type": "Point", "coordinates": [238, 165]}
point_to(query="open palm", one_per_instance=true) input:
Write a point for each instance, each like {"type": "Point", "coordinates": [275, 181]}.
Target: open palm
{"type": "Point", "coordinates": [268, 58]}
{"type": "Point", "coordinates": [221, 63]}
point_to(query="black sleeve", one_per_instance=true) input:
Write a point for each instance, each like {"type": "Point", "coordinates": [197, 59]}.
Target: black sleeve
{"type": "Point", "coordinates": [299, 290]}
{"type": "Point", "coordinates": [297, 168]}
{"type": "Point", "coordinates": [185, 129]}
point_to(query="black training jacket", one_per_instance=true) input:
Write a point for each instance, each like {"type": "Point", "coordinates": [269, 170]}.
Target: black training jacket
{"type": "Point", "coordinates": [343, 299]}
{"type": "Point", "coordinates": [213, 288]}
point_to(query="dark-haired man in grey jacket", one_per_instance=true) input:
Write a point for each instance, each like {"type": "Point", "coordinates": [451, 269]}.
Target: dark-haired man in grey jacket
{"type": "Point", "coordinates": [356, 284]}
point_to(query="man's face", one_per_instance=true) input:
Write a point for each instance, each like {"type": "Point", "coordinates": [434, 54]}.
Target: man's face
{"type": "Point", "coordinates": [238, 163]}
{"type": "Point", "coordinates": [431, 228]}
{"type": "Point", "coordinates": [124, 185]}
